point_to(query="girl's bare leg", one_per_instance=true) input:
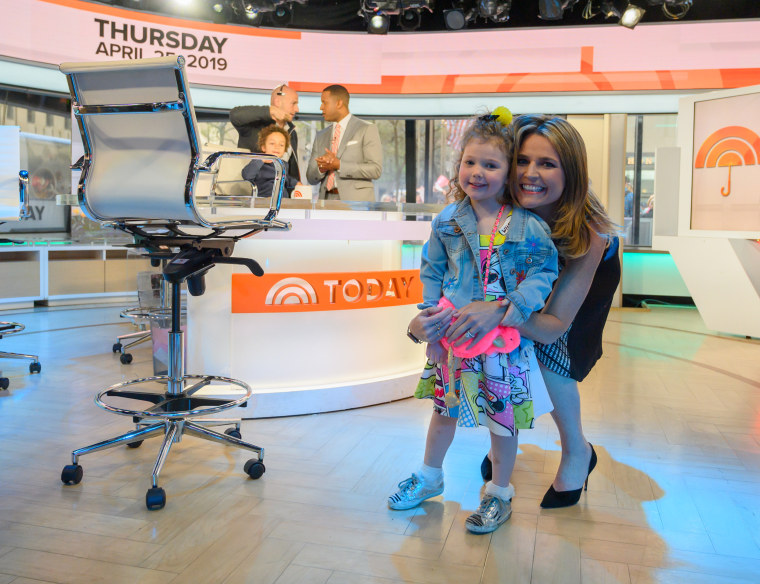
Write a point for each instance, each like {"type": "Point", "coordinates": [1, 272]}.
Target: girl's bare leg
{"type": "Point", "coordinates": [439, 437]}
{"type": "Point", "coordinates": [503, 455]}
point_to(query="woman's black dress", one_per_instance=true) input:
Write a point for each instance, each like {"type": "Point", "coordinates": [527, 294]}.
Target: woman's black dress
{"type": "Point", "coordinates": [580, 346]}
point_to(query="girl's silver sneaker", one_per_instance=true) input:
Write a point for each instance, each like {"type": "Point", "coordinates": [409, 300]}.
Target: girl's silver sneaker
{"type": "Point", "coordinates": [491, 513]}
{"type": "Point", "coordinates": [413, 491]}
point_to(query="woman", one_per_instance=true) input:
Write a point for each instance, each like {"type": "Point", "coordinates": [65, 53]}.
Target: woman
{"type": "Point", "coordinates": [549, 176]}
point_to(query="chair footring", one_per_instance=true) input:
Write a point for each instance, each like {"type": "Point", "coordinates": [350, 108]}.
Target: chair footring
{"type": "Point", "coordinates": [176, 406]}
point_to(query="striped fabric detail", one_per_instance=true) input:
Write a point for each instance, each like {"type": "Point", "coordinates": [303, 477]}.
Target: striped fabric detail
{"type": "Point", "coordinates": [555, 357]}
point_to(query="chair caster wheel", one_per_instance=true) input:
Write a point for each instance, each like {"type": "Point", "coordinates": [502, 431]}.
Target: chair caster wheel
{"type": "Point", "coordinates": [234, 432]}
{"type": "Point", "coordinates": [155, 498]}
{"type": "Point", "coordinates": [72, 474]}
{"type": "Point", "coordinates": [125, 358]}
{"type": "Point", "coordinates": [135, 444]}
{"type": "Point", "coordinates": [35, 367]}
{"type": "Point", "coordinates": [4, 383]}
{"type": "Point", "coordinates": [255, 468]}
{"type": "Point", "coordinates": [116, 348]}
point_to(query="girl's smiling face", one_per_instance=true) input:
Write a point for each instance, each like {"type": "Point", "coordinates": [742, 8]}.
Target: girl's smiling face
{"type": "Point", "coordinates": [483, 170]}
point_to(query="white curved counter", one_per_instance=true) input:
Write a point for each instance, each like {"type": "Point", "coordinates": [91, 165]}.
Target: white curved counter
{"type": "Point", "coordinates": [312, 359]}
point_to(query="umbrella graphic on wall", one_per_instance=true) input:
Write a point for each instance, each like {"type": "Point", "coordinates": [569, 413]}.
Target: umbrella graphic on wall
{"type": "Point", "coordinates": [730, 146]}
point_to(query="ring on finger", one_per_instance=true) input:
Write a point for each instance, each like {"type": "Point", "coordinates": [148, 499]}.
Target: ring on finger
{"type": "Point", "coordinates": [469, 335]}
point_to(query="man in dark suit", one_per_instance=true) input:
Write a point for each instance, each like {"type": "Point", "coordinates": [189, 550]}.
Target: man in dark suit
{"type": "Point", "coordinates": [347, 155]}
{"type": "Point", "coordinates": [249, 120]}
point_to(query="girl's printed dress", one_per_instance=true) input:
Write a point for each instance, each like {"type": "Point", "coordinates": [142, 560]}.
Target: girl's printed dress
{"type": "Point", "coordinates": [504, 392]}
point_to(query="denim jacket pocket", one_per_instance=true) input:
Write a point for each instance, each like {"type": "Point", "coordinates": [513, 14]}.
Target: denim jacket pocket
{"type": "Point", "coordinates": [528, 262]}
{"type": "Point", "coordinates": [452, 238]}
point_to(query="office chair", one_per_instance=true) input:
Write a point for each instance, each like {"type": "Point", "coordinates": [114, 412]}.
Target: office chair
{"type": "Point", "coordinates": [13, 207]}
{"type": "Point", "coordinates": [151, 295]}
{"type": "Point", "coordinates": [9, 328]}
{"type": "Point", "coordinates": [143, 173]}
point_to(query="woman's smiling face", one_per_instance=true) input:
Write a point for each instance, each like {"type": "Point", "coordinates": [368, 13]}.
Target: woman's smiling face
{"type": "Point", "coordinates": [540, 179]}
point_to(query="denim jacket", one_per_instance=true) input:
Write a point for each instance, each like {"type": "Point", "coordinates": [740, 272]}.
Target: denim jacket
{"type": "Point", "coordinates": [451, 259]}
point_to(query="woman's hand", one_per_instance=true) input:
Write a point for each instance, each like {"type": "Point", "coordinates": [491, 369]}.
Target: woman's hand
{"type": "Point", "coordinates": [473, 322]}
{"type": "Point", "coordinates": [436, 353]}
{"type": "Point", "coordinates": [430, 324]}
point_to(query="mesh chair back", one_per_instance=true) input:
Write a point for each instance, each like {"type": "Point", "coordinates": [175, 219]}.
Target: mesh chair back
{"type": "Point", "coordinates": [141, 164]}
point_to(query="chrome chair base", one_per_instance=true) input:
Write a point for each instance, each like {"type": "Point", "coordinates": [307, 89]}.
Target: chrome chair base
{"type": "Point", "coordinates": [9, 328]}
{"type": "Point", "coordinates": [177, 415]}
{"type": "Point", "coordinates": [137, 315]}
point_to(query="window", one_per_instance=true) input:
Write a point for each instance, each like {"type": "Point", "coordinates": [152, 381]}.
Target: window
{"type": "Point", "coordinates": [45, 149]}
{"type": "Point", "coordinates": [645, 134]}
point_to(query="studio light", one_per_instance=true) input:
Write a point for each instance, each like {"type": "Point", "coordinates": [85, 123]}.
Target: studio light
{"type": "Point", "coordinates": [246, 12]}
{"type": "Point", "coordinates": [454, 19]}
{"type": "Point", "coordinates": [377, 14]}
{"type": "Point", "coordinates": [281, 16]}
{"type": "Point", "coordinates": [550, 9]}
{"type": "Point", "coordinates": [554, 9]}
{"type": "Point", "coordinates": [279, 12]}
{"type": "Point", "coordinates": [410, 19]}
{"type": "Point", "coordinates": [494, 10]}
{"type": "Point", "coordinates": [632, 15]}
{"type": "Point", "coordinates": [251, 13]}
{"type": "Point", "coordinates": [676, 9]}
{"type": "Point", "coordinates": [614, 8]}
{"type": "Point", "coordinates": [410, 16]}
{"type": "Point", "coordinates": [379, 24]}
{"type": "Point", "coordinates": [222, 12]}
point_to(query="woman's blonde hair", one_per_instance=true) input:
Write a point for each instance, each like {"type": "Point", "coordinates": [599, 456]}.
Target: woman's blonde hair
{"type": "Point", "coordinates": [578, 212]}
{"type": "Point", "coordinates": [488, 129]}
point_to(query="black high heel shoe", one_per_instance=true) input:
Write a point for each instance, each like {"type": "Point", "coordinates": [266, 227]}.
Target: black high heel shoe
{"type": "Point", "coordinates": [486, 468]}
{"type": "Point", "coordinates": [554, 499]}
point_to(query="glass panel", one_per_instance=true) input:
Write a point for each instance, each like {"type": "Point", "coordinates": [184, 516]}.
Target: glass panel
{"type": "Point", "coordinates": [218, 132]}
{"type": "Point", "coordinates": [645, 134]}
{"type": "Point", "coordinates": [45, 153]}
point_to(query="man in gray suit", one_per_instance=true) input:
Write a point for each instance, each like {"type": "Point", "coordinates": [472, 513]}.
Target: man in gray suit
{"type": "Point", "coordinates": [347, 155]}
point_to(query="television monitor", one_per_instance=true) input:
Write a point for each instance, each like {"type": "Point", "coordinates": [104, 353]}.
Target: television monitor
{"type": "Point", "coordinates": [719, 134]}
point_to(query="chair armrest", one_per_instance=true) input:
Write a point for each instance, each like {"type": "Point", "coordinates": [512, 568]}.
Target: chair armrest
{"type": "Point", "coordinates": [23, 193]}
{"type": "Point", "coordinates": [211, 166]}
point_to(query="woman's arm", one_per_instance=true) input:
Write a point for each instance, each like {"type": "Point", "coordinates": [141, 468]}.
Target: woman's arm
{"type": "Point", "coordinates": [568, 295]}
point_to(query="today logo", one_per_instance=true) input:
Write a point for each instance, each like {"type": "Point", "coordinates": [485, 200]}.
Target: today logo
{"type": "Point", "coordinates": [324, 291]}
{"type": "Point", "coordinates": [730, 146]}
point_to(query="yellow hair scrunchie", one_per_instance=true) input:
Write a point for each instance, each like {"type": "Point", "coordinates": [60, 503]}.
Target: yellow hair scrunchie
{"type": "Point", "coordinates": [502, 115]}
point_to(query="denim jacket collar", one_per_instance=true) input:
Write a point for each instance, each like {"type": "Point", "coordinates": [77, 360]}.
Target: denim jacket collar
{"type": "Point", "coordinates": [464, 215]}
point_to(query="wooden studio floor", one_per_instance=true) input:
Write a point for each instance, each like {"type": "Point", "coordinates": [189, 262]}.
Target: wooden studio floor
{"type": "Point", "coordinates": [673, 410]}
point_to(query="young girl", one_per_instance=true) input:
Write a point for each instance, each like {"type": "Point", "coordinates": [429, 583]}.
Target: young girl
{"type": "Point", "coordinates": [273, 140]}
{"type": "Point", "coordinates": [481, 251]}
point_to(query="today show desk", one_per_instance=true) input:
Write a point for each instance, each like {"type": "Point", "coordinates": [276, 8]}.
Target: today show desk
{"type": "Point", "coordinates": [306, 347]}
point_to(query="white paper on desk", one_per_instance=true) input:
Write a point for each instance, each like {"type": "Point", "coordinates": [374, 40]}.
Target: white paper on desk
{"type": "Point", "coordinates": [301, 192]}
{"type": "Point", "coordinates": [10, 162]}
